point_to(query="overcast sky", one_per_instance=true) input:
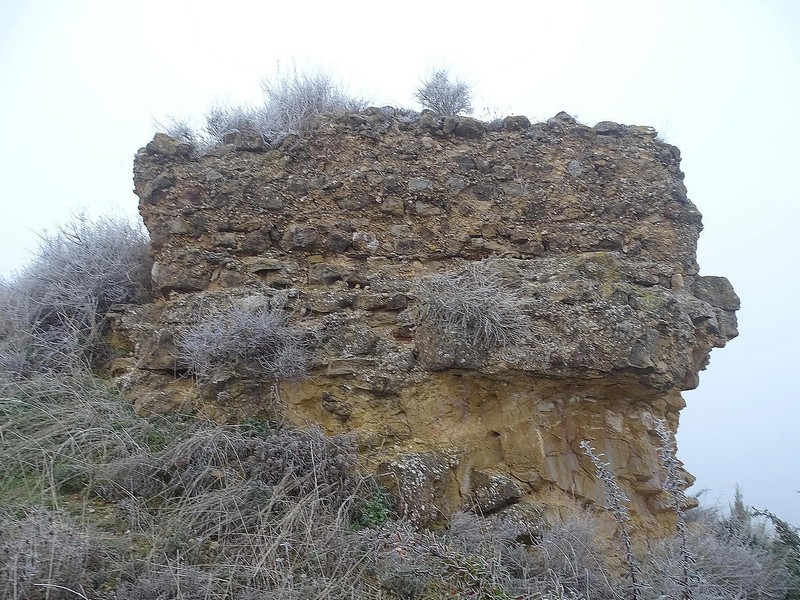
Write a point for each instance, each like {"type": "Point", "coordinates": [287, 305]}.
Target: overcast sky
{"type": "Point", "coordinates": [82, 82]}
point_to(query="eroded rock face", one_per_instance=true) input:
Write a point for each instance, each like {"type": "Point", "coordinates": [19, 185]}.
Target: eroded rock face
{"type": "Point", "coordinates": [589, 228]}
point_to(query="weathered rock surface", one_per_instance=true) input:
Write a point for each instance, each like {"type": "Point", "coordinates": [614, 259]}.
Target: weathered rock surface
{"type": "Point", "coordinates": [589, 227]}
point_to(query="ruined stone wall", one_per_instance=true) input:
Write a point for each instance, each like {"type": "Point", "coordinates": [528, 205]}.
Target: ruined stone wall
{"type": "Point", "coordinates": [589, 227]}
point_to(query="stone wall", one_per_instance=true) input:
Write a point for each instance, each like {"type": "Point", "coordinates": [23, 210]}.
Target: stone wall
{"type": "Point", "coordinates": [589, 228]}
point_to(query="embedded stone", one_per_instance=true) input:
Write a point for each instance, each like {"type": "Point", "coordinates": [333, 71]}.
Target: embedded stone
{"type": "Point", "coordinates": [717, 291]}
{"type": "Point", "coordinates": [298, 237]}
{"type": "Point", "coordinates": [516, 123]}
{"type": "Point", "coordinates": [422, 487]}
{"type": "Point", "coordinates": [259, 264]}
{"type": "Point", "coordinates": [490, 492]}
{"type": "Point", "coordinates": [470, 128]}
{"type": "Point", "coordinates": [323, 273]}
{"type": "Point", "coordinates": [419, 184]}
{"type": "Point", "coordinates": [608, 128]}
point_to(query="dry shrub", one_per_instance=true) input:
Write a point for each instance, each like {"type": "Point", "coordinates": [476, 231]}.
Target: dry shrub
{"type": "Point", "coordinates": [52, 313]}
{"type": "Point", "coordinates": [573, 554]}
{"type": "Point", "coordinates": [476, 305]}
{"type": "Point", "coordinates": [258, 341]}
{"type": "Point", "coordinates": [181, 130]}
{"type": "Point", "coordinates": [270, 512]}
{"type": "Point", "coordinates": [265, 537]}
{"type": "Point", "coordinates": [216, 457]}
{"type": "Point", "coordinates": [291, 101]}
{"type": "Point", "coordinates": [475, 557]}
{"type": "Point", "coordinates": [223, 118]}
{"type": "Point", "coordinates": [724, 567]}
{"type": "Point", "coordinates": [45, 555]}
{"type": "Point", "coordinates": [175, 582]}
{"type": "Point", "coordinates": [219, 512]}
{"type": "Point", "coordinates": [616, 502]}
{"type": "Point", "coordinates": [253, 539]}
{"type": "Point", "coordinates": [437, 92]}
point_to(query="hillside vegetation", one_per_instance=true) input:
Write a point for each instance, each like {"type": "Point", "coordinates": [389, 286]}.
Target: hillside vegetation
{"type": "Point", "coordinates": [101, 503]}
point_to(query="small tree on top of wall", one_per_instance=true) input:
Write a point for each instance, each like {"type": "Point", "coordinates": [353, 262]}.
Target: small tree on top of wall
{"type": "Point", "coordinates": [437, 92]}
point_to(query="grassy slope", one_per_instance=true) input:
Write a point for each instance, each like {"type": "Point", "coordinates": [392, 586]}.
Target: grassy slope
{"type": "Point", "coordinates": [110, 505]}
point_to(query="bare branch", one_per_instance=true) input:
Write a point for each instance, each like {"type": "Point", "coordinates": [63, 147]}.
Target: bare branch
{"type": "Point", "coordinates": [437, 92]}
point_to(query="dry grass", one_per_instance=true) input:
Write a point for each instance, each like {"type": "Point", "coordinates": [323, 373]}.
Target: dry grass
{"type": "Point", "coordinates": [121, 507]}
{"type": "Point", "coordinates": [476, 305]}
{"type": "Point", "coordinates": [60, 428]}
{"type": "Point", "coordinates": [258, 341]}
{"type": "Point", "coordinates": [291, 101]}
{"type": "Point", "coordinates": [213, 510]}
{"type": "Point", "coordinates": [126, 508]}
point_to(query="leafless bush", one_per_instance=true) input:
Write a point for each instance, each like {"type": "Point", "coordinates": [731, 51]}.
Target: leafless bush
{"type": "Point", "coordinates": [724, 569]}
{"type": "Point", "coordinates": [216, 512]}
{"type": "Point", "coordinates": [475, 557]}
{"type": "Point", "coordinates": [236, 512]}
{"type": "Point", "coordinates": [53, 311]}
{"type": "Point", "coordinates": [259, 341]}
{"type": "Point", "coordinates": [708, 559]}
{"type": "Point", "coordinates": [786, 548]}
{"type": "Point", "coordinates": [181, 130]}
{"type": "Point", "coordinates": [215, 457]}
{"type": "Point", "coordinates": [292, 100]}
{"type": "Point", "coordinates": [174, 582]}
{"type": "Point", "coordinates": [573, 555]}
{"type": "Point", "coordinates": [15, 332]}
{"type": "Point", "coordinates": [43, 555]}
{"type": "Point", "coordinates": [224, 118]}
{"type": "Point", "coordinates": [476, 305]}
{"type": "Point", "coordinates": [270, 513]}
{"type": "Point", "coordinates": [437, 92]}
{"type": "Point", "coordinates": [266, 538]}
{"type": "Point", "coordinates": [673, 486]}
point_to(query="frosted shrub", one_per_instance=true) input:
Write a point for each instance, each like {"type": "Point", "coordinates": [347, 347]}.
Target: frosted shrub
{"type": "Point", "coordinates": [709, 558]}
{"type": "Point", "coordinates": [52, 314]}
{"type": "Point", "coordinates": [43, 556]}
{"type": "Point", "coordinates": [720, 569]}
{"type": "Point", "coordinates": [437, 92]}
{"type": "Point", "coordinates": [617, 503]}
{"type": "Point", "coordinates": [260, 341]}
{"type": "Point", "coordinates": [475, 306]}
{"type": "Point", "coordinates": [223, 118]}
{"type": "Point", "coordinates": [291, 101]}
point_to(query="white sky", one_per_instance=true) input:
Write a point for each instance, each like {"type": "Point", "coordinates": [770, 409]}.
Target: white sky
{"type": "Point", "coordinates": [82, 82]}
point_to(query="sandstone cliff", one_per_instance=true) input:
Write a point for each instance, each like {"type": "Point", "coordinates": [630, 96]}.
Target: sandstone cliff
{"type": "Point", "coordinates": [589, 229]}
